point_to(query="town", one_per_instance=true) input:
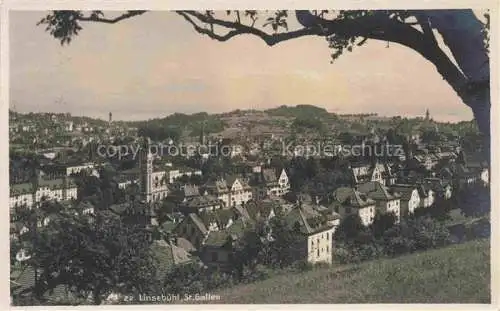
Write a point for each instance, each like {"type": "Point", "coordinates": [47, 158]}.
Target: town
{"type": "Point", "coordinates": [242, 191]}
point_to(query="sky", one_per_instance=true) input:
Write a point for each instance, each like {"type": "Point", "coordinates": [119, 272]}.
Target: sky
{"type": "Point", "coordinates": [156, 64]}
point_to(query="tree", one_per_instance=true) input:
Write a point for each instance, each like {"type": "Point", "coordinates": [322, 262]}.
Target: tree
{"type": "Point", "coordinates": [466, 70]}
{"type": "Point", "coordinates": [285, 245]}
{"type": "Point", "coordinates": [382, 223]}
{"type": "Point", "coordinates": [247, 250]}
{"type": "Point", "coordinates": [349, 229]}
{"type": "Point", "coordinates": [91, 255]}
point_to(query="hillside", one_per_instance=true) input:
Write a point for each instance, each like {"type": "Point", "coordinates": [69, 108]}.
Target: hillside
{"type": "Point", "coordinates": [456, 274]}
{"type": "Point", "coordinates": [299, 111]}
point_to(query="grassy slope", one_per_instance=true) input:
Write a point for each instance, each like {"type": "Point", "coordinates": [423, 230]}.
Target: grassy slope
{"type": "Point", "coordinates": [456, 274]}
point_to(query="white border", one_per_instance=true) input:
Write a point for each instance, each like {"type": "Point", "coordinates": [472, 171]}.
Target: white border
{"type": "Point", "coordinates": [8, 5]}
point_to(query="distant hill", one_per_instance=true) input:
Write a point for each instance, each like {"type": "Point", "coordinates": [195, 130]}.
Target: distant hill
{"type": "Point", "coordinates": [177, 124]}
{"type": "Point", "coordinates": [299, 111]}
{"type": "Point", "coordinates": [456, 274]}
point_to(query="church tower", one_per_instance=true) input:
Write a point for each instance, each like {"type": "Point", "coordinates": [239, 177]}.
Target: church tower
{"type": "Point", "coordinates": [146, 170]}
{"type": "Point", "coordinates": [427, 115]}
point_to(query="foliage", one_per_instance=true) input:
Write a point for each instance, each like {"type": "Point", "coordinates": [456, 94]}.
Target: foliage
{"type": "Point", "coordinates": [301, 112]}
{"type": "Point", "coordinates": [174, 126]}
{"type": "Point", "coordinates": [349, 229]}
{"type": "Point", "coordinates": [382, 222]}
{"type": "Point", "coordinates": [474, 201]}
{"type": "Point", "coordinates": [302, 123]}
{"type": "Point", "coordinates": [248, 250]}
{"type": "Point", "coordinates": [91, 255]}
{"type": "Point", "coordinates": [285, 245]}
{"type": "Point", "coordinates": [430, 136]}
{"type": "Point", "coordinates": [355, 243]}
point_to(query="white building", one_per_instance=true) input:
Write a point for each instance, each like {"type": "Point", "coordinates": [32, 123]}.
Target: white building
{"type": "Point", "coordinates": [75, 169]}
{"type": "Point", "coordinates": [153, 185]}
{"type": "Point", "coordinates": [58, 190]}
{"type": "Point", "coordinates": [318, 235]}
{"type": "Point", "coordinates": [372, 172]}
{"type": "Point", "coordinates": [284, 183]}
{"type": "Point", "coordinates": [386, 201]}
{"type": "Point", "coordinates": [349, 201]}
{"type": "Point", "coordinates": [427, 196]}
{"type": "Point", "coordinates": [233, 191]}
{"type": "Point", "coordinates": [175, 174]}
{"type": "Point", "coordinates": [410, 199]}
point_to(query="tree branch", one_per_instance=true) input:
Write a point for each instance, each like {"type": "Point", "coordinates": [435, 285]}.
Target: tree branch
{"type": "Point", "coordinates": [424, 22]}
{"type": "Point", "coordinates": [208, 32]}
{"type": "Point", "coordinates": [238, 28]}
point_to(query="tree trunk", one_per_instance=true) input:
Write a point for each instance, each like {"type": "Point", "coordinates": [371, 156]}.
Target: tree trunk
{"type": "Point", "coordinates": [464, 35]}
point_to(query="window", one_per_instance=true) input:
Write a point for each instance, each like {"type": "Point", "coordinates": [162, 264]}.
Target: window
{"type": "Point", "coordinates": [327, 249]}
{"type": "Point", "coordinates": [317, 252]}
{"type": "Point", "coordinates": [327, 236]}
{"type": "Point", "coordinates": [214, 256]}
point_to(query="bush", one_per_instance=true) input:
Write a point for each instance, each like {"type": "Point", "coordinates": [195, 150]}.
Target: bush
{"type": "Point", "coordinates": [341, 254]}
{"type": "Point", "coordinates": [258, 273]}
{"type": "Point", "coordinates": [301, 266]}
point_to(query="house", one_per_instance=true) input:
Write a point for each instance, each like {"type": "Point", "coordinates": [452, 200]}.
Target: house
{"type": "Point", "coordinates": [85, 208]}
{"type": "Point", "coordinates": [168, 255]}
{"type": "Point", "coordinates": [317, 242]}
{"type": "Point", "coordinates": [262, 210]}
{"type": "Point", "coordinates": [464, 176]}
{"type": "Point", "coordinates": [197, 204]}
{"type": "Point", "coordinates": [218, 247]}
{"type": "Point", "coordinates": [124, 180]}
{"type": "Point", "coordinates": [17, 229]}
{"type": "Point", "coordinates": [484, 175]}
{"type": "Point", "coordinates": [410, 199]}
{"type": "Point", "coordinates": [136, 212]}
{"type": "Point", "coordinates": [21, 195]}
{"type": "Point", "coordinates": [283, 182]}
{"type": "Point", "coordinates": [219, 189]}
{"type": "Point", "coordinates": [424, 160]}
{"type": "Point", "coordinates": [348, 201]}
{"type": "Point", "coordinates": [372, 172]}
{"type": "Point", "coordinates": [77, 168]}
{"type": "Point", "coordinates": [233, 190]}
{"type": "Point", "coordinates": [193, 229]}
{"type": "Point", "coordinates": [477, 165]}
{"type": "Point", "coordinates": [442, 188]}
{"type": "Point", "coordinates": [427, 195]}
{"type": "Point", "coordinates": [28, 194]}
{"type": "Point", "coordinates": [239, 191]}
{"type": "Point", "coordinates": [268, 184]}
{"type": "Point", "coordinates": [174, 174]}
{"type": "Point", "coordinates": [190, 191]}
{"type": "Point", "coordinates": [386, 200]}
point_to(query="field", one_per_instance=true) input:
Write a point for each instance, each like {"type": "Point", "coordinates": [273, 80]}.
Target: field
{"type": "Point", "coordinates": [456, 274]}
